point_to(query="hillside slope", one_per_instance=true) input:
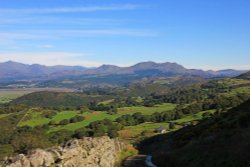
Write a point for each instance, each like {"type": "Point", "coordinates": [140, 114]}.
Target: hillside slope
{"type": "Point", "coordinates": [244, 76]}
{"type": "Point", "coordinates": [220, 141]}
{"type": "Point", "coordinates": [55, 99]}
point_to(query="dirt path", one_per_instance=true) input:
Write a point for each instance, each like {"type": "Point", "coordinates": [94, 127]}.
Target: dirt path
{"type": "Point", "coordinates": [135, 161]}
{"type": "Point", "coordinates": [138, 161]}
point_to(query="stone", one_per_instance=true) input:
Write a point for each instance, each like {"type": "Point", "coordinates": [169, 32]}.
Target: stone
{"type": "Point", "coordinates": [86, 152]}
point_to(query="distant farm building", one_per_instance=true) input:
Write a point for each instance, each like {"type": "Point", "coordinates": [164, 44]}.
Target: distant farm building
{"type": "Point", "coordinates": [161, 130]}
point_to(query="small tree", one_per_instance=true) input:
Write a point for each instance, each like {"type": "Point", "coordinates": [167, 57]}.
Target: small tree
{"type": "Point", "coordinates": [172, 125]}
{"type": "Point", "coordinates": [64, 122]}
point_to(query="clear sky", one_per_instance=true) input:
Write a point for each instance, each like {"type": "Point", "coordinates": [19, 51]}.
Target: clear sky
{"type": "Point", "coordinates": [206, 34]}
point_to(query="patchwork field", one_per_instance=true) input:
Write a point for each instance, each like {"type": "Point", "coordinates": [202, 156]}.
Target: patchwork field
{"type": "Point", "coordinates": [35, 118]}
{"type": "Point", "coordinates": [129, 133]}
{"type": "Point", "coordinates": [146, 110]}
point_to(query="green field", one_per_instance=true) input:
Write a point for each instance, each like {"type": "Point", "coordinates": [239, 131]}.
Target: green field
{"type": "Point", "coordinates": [193, 117]}
{"type": "Point", "coordinates": [89, 117]}
{"type": "Point", "coordinates": [146, 110]}
{"type": "Point", "coordinates": [245, 89]}
{"type": "Point", "coordinates": [3, 115]}
{"type": "Point", "coordinates": [132, 132]}
{"type": "Point", "coordinates": [35, 118]}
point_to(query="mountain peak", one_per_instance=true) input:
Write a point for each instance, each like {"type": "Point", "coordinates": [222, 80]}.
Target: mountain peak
{"type": "Point", "coordinates": [11, 62]}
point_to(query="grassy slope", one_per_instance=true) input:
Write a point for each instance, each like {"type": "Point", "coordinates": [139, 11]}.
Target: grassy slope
{"type": "Point", "coordinates": [193, 117]}
{"type": "Point", "coordinates": [237, 85]}
{"type": "Point", "coordinates": [146, 110]}
{"type": "Point", "coordinates": [57, 99]}
{"type": "Point", "coordinates": [222, 141]}
{"type": "Point", "coordinates": [7, 95]}
{"type": "Point", "coordinates": [132, 133]}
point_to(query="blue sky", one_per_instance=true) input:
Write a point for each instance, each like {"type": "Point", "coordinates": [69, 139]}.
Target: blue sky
{"type": "Point", "coordinates": [208, 34]}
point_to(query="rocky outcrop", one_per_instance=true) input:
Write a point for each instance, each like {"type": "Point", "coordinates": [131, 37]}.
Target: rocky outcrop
{"type": "Point", "coordinates": [86, 152]}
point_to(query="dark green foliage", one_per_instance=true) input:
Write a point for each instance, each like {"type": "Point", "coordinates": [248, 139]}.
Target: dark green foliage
{"type": "Point", "coordinates": [171, 125]}
{"type": "Point", "coordinates": [206, 115]}
{"type": "Point", "coordinates": [49, 114]}
{"type": "Point", "coordinates": [5, 109]}
{"type": "Point", "coordinates": [64, 122]}
{"type": "Point", "coordinates": [105, 127]}
{"type": "Point", "coordinates": [6, 150]}
{"type": "Point", "coordinates": [76, 118]}
{"type": "Point", "coordinates": [82, 132]}
{"type": "Point", "coordinates": [23, 141]}
{"type": "Point", "coordinates": [57, 100]}
{"type": "Point", "coordinates": [52, 122]}
{"type": "Point", "coordinates": [8, 127]}
{"type": "Point", "coordinates": [61, 136]}
{"type": "Point", "coordinates": [113, 133]}
{"type": "Point", "coordinates": [138, 118]}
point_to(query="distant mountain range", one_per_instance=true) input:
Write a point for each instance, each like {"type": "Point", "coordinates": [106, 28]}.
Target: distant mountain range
{"type": "Point", "coordinates": [17, 71]}
{"type": "Point", "coordinates": [244, 76]}
{"type": "Point", "coordinates": [162, 69]}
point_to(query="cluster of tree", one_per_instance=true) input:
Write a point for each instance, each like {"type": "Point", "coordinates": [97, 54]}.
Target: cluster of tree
{"type": "Point", "coordinates": [14, 139]}
{"type": "Point", "coordinates": [105, 127]}
{"type": "Point", "coordinates": [74, 119]}
{"type": "Point", "coordinates": [48, 113]}
{"type": "Point", "coordinates": [99, 128]}
{"type": "Point", "coordinates": [57, 100]}
{"type": "Point", "coordinates": [101, 107]}
{"type": "Point", "coordinates": [6, 109]}
{"type": "Point", "coordinates": [138, 118]}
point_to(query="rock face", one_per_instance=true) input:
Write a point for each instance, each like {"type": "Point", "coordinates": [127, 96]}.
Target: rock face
{"type": "Point", "coordinates": [86, 152]}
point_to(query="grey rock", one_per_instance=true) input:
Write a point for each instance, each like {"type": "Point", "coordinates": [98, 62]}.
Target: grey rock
{"type": "Point", "coordinates": [86, 152]}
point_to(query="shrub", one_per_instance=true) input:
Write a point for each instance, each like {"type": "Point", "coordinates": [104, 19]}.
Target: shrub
{"type": "Point", "coordinates": [64, 122]}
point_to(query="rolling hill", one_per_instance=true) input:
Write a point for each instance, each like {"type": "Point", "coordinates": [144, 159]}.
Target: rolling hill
{"type": "Point", "coordinates": [244, 76]}
{"type": "Point", "coordinates": [55, 99]}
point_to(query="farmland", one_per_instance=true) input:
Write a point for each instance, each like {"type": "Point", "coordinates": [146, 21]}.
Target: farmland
{"type": "Point", "coordinates": [36, 118]}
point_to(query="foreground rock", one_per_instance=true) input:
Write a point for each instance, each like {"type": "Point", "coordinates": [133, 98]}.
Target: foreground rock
{"type": "Point", "coordinates": [86, 152]}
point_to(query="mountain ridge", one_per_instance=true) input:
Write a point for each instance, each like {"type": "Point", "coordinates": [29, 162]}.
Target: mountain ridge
{"type": "Point", "coordinates": [15, 70]}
